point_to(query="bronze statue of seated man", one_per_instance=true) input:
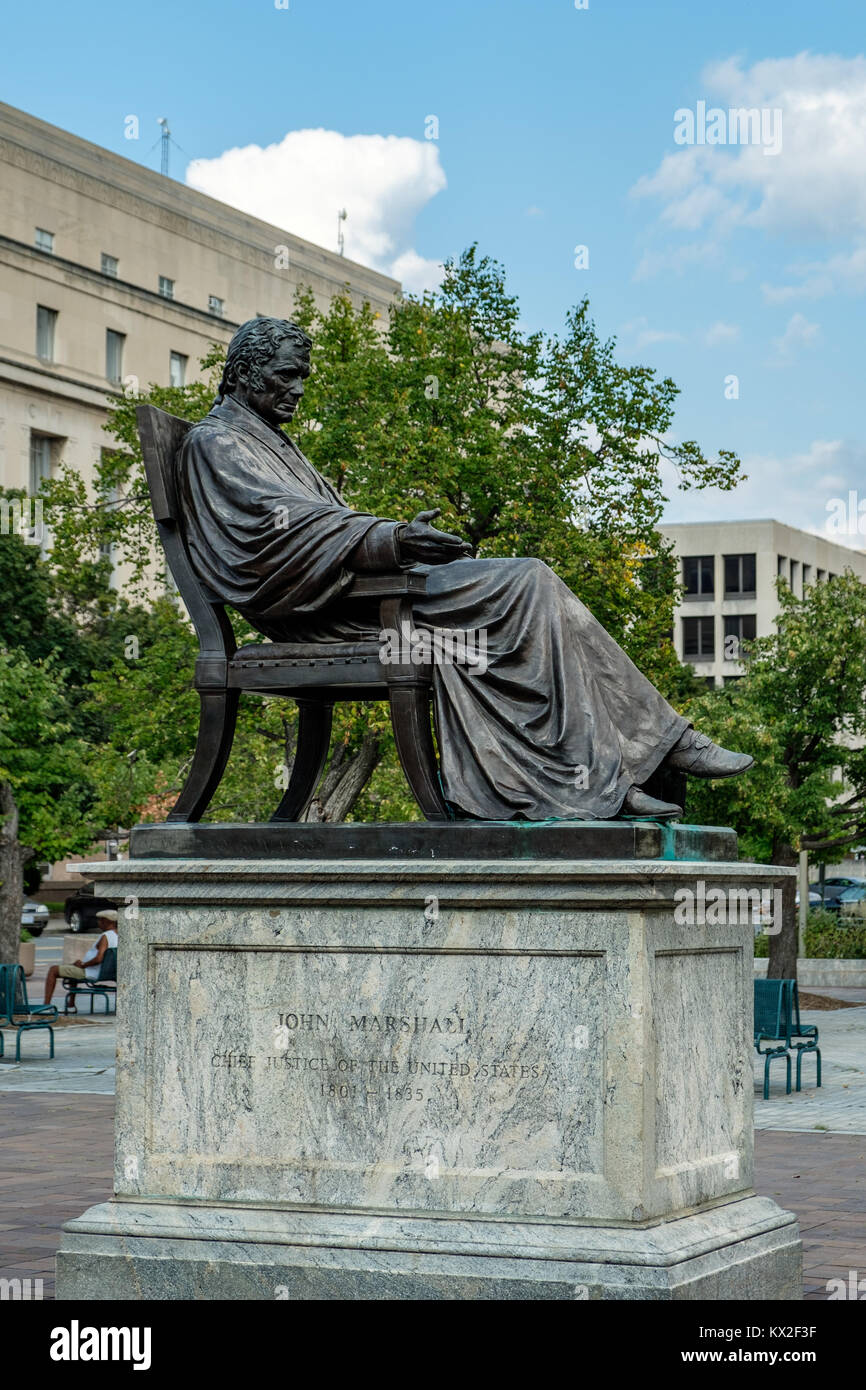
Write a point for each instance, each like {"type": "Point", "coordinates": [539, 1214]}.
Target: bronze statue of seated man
{"type": "Point", "coordinates": [556, 722]}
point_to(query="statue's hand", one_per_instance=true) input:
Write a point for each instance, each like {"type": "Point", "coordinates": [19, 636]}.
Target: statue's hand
{"type": "Point", "coordinates": [422, 542]}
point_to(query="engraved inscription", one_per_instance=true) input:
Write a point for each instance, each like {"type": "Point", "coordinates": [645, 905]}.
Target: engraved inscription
{"type": "Point", "coordinates": [332, 1072]}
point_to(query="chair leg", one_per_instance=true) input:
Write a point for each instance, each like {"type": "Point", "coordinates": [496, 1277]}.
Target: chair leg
{"type": "Point", "coordinates": [800, 1053]}
{"type": "Point", "coordinates": [410, 720]}
{"type": "Point", "coordinates": [314, 740]}
{"type": "Point", "coordinates": [767, 1079]}
{"type": "Point", "coordinates": [788, 1064]}
{"type": "Point", "coordinates": [216, 731]}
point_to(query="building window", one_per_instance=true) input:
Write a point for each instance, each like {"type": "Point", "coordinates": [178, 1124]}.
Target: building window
{"type": "Point", "coordinates": [40, 460]}
{"type": "Point", "coordinates": [795, 575]}
{"type": "Point", "coordinates": [108, 265]}
{"type": "Point", "coordinates": [807, 577]}
{"type": "Point", "coordinates": [729, 680]}
{"type": "Point", "coordinates": [699, 639]}
{"type": "Point", "coordinates": [177, 369]}
{"type": "Point", "coordinates": [698, 576]}
{"type": "Point", "coordinates": [166, 287]}
{"type": "Point", "coordinates": [739, 576]}
{"type": "Point", "coordinates": [114, 356]}
{"type": "Point", "coordinates": [738, 629]}
{"type": "Point", "coordinates": [44, 240]}
{"type": "Point", "coordinates": [215, 305]}
{"type": "Point", "coordinates": [821, 575]}
{"type": "Point", "coordinates": [109, 497]}
{"type": "Point", "coordinates": [782, 566]}
{"type": "Point", "coordinates": [46, 323]}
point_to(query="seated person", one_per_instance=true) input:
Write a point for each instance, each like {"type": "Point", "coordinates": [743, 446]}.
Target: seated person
{"type": "Point", "coordinates": [88, 968]}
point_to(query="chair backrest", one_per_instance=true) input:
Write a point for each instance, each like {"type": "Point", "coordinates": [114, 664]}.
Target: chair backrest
{"type": "Point", "coordinates": [16, 991]}
{"type": "Point", "coordinates": [108, 965]}
{"type": "Point", "coordinates": [6, 977]}
{"type": "Point", "coordinates": [773, 1008]}
{"type": "Point", "coordinates": [161, 437]}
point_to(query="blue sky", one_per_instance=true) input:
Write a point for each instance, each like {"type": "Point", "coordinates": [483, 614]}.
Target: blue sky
{"type": "Point", "coordinates": [556, 129]}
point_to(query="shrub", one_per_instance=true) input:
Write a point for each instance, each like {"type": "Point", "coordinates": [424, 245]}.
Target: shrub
{"type": "Point", "coordinates": [828, 937]}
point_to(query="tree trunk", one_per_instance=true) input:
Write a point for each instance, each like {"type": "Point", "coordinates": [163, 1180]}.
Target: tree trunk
{"type": "Point", "coordinates": [344, 781]}
{"type": "Point", "coordinates": [782, 964]}
{"type": "Point", "coordinates": [11, 863]}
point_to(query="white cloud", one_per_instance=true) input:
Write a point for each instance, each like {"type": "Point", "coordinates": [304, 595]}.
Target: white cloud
{"type": "Point", "coordinates": [797, 489]}
{"type": "Point", "coordinates": [845, 271]}
{"type": "Point", "coordinates": [815, 187]}
{"type": "Point", "coordinates": [300, 184]}
{"type": "Point", "coordinates": [721, 332]}
{"type": "Point", "coordinates": [639, 334]}
{"type": "Point", "coordinates": [799, 333]}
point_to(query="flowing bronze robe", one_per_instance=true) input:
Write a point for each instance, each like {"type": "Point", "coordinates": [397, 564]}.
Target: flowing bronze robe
{"type": "Point", "coordinates": [560, 723]}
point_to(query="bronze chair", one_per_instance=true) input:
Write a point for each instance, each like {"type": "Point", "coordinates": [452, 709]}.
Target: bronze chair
{"type": "Point", "coordinates": [314, 675]}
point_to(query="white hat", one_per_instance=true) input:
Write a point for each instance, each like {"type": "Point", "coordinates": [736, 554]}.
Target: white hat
{"type": "Point", "coordinates": [107, 915]}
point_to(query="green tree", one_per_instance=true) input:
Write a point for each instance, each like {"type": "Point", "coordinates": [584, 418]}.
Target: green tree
{"type": "Point", "coordinates": [800, 709]}
{"type": "Point", "coordinates": [45, 786]}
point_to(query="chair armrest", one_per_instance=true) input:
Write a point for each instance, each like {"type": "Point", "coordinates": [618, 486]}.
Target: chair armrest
{"type": "Point", "coordinates": [394, 584]}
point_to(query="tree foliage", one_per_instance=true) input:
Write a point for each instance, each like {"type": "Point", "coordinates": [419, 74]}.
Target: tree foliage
{"type": "Point", "coordinates": [800, 709]}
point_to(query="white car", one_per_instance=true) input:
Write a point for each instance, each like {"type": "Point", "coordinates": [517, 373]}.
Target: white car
{"type": "Point", "coordinates": [34, 916]}
{"type": "Point", "coordinates": [815, 899]}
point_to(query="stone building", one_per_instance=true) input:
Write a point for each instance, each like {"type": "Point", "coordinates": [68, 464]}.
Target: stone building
{"type": "Point", "coordinates": [112, 275]}
{"type": "Point", "coordinates": [728, 571]}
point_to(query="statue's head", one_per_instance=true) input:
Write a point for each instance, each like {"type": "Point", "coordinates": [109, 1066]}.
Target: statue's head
{"type": "Point", "coordinates": [267, 363]}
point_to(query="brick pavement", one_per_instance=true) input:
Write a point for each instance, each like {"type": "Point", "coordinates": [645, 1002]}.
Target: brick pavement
{"type": "Point", "coordinates": [56, 1160]}
{"type": "Point", "coordinates": [821, 1177]}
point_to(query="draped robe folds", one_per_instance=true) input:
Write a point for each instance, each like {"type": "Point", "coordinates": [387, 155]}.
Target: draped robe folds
{"type": "Point", "coordinates": [555, 722]}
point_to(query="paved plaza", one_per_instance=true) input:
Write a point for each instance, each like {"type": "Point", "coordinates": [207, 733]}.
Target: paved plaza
{"type": "Point", "coordinates": [57, 1153]}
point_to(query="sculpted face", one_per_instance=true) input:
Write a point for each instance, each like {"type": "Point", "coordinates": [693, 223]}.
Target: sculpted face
{"type": "Point", "coordinates": [282, 384]}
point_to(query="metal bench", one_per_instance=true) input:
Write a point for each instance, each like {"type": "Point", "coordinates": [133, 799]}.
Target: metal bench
{"type": "Point", "coordinates": [103, 987]}
{"type": "Point", "coordinates": [15, 1004]}
{"type": "Point", "coordinates": [772, 1026]}
{"type": "Point", "coordinates": [804, 1037]}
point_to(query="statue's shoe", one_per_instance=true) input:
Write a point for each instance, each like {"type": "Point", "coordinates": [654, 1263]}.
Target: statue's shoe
{"type": "Point", "coordinates": [697, 755]}
{"type": "Point", "coordinates": [637, 803]}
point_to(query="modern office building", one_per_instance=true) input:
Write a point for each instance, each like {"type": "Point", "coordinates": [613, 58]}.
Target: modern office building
{"type": "Point", "coordinates": [728, 574]}
{"type": "Point", "coordinates": [112, 275]}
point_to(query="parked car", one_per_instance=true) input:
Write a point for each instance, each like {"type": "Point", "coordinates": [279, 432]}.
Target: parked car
{"type": "Point", "coordinates": [814, 897]}
{"type": "Point", "coordinates": [82, 909]}
{"type": "Point", "coordinates": [34, 916]}
{"type": "Point", "coordinates": [833, 890]}
{"type": "Point", "coordinates": [852, 903]}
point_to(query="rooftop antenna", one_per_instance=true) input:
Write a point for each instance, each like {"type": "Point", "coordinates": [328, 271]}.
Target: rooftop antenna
{"type": "Point", "coordinates": [166, 143]}
{"type": "Point", "coordinates": [341, 240]}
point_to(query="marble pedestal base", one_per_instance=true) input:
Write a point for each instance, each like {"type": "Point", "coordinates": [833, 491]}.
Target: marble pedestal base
{"type": "Point", "coordinates": [397, 1080]}
{"type": "Point", "coordinates": [746, 1249]}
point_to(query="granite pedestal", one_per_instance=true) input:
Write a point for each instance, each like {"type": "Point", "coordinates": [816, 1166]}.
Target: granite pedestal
{"type": "Point", "coordinates": [448, 1079]}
